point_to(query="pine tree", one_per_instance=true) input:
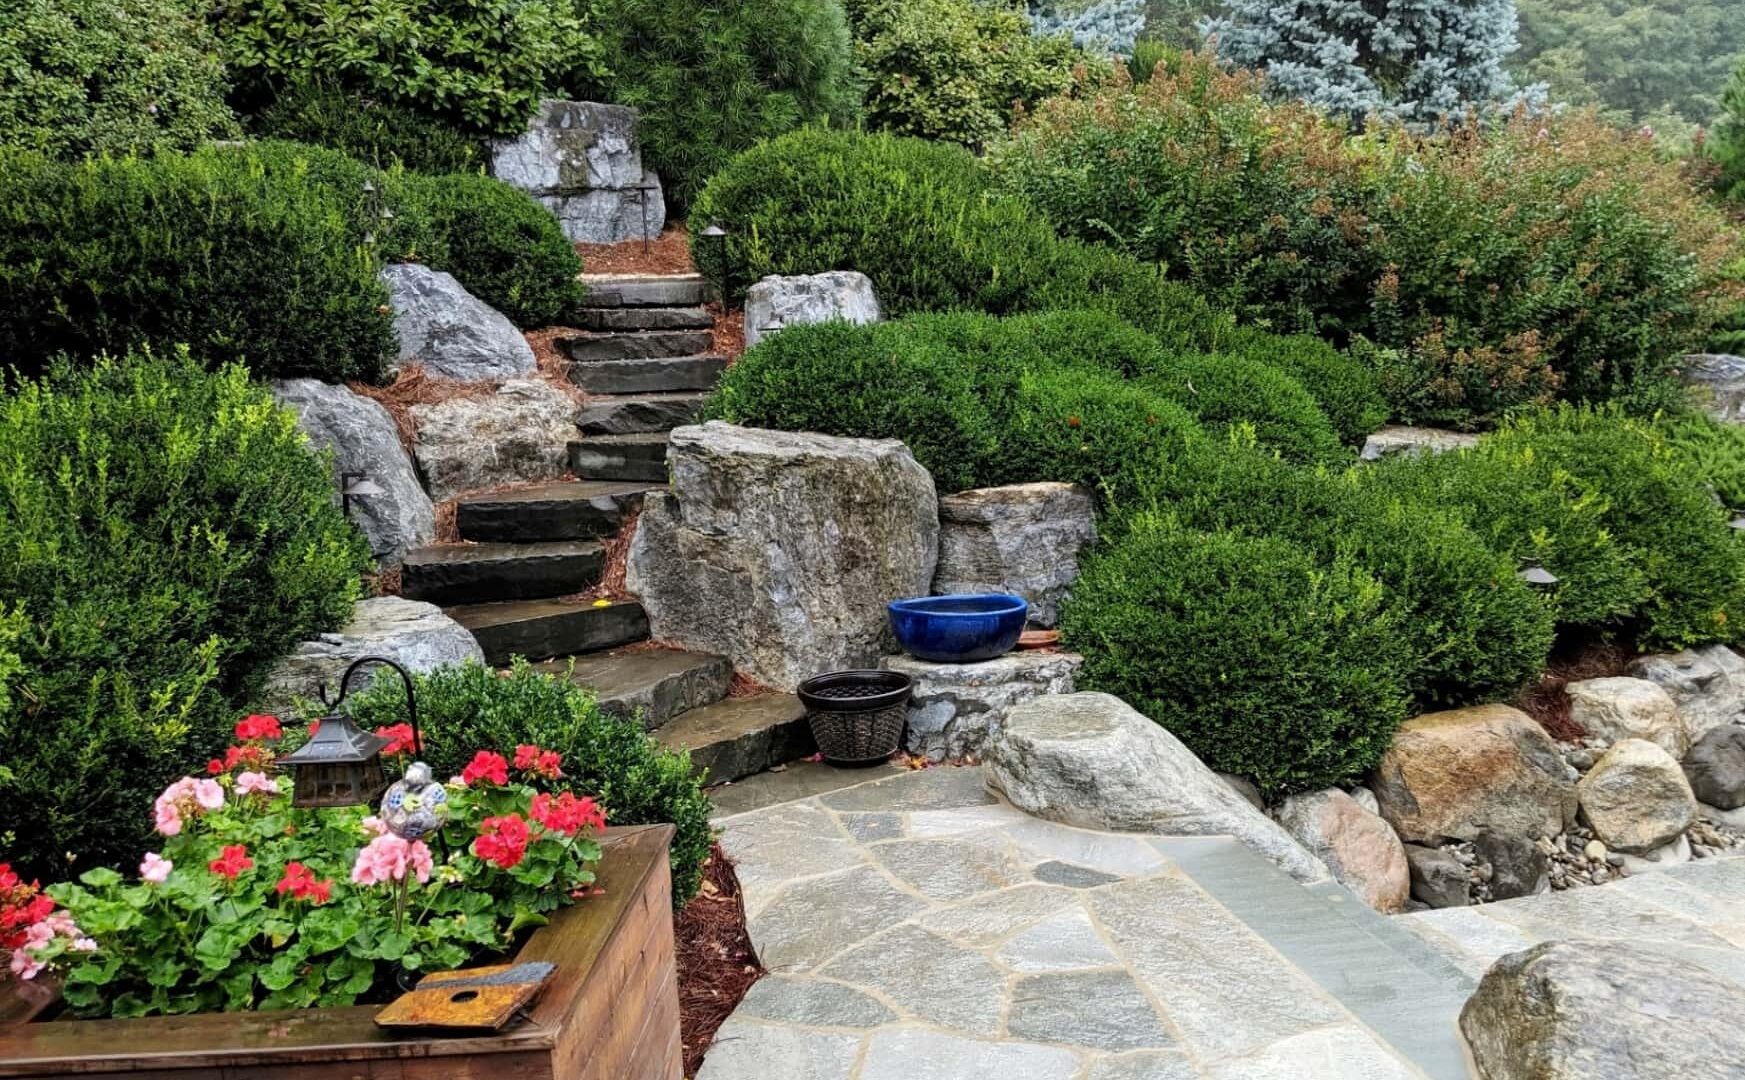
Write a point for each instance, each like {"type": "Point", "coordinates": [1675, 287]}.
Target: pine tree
{"type": "Point", "coordinates": [1109, 26]}
{"type": "Point", "coordinates": [1726, 141]}
{"type": "Point", "coordinates": [1410, 60]}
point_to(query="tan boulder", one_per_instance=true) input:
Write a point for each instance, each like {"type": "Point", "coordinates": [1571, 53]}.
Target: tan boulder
{"type": "Point", "coordinates": [1624, 708]}
{"type": "Point", "coordinates": [1637, 798]}
{"type": "Point", "coordinates": [1360, 848]}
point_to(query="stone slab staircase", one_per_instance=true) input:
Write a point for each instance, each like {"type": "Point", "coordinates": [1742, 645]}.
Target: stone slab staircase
{"type": "Point", "coordinates": [529, 557]}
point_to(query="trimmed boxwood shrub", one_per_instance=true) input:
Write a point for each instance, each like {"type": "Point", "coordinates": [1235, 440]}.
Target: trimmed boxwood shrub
{"type": "Point", "coordinates": [377, 132]}
{"type": "Point", "coordinates": [211, 250]}
{"type": "Point", "coordinates": [1226, 391]}
{"type": "Point", "coordinates": [1265, 660]}
{"type": "Point", "coordinates": [1344, 388]}
{"type": "Point", "coordinates": [165, 535]}
{"type": "Point", "coordinates": [466, 707]}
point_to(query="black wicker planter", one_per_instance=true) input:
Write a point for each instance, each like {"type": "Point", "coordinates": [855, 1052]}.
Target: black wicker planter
{"type": "Point", "coordinates": [857, 717]}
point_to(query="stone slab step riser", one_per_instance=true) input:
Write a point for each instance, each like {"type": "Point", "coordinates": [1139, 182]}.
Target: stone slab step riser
{"type": "Point", "coordinates": [661, 375]}
{"type": "Point", "coordinates": [493, 572]}
{"type": "Point", "coordinates": [530, 520]}
{"type": "Point", "coordinates": [539, 630]}
{"type": "Point", "coordinates": [652, 684]}
{"type": "Point", "coordinates": [645, 292]}
{"type": "Point", "coordinates": [644, 345]}
{"type": "Point", "coordinates": [741, 737]}
{"type": "Point", "coordinates": [633, 318]}
{"type": "Point", "coordinates": [620, 458]}
{"type": "Point", "coordinates": [639, 415]}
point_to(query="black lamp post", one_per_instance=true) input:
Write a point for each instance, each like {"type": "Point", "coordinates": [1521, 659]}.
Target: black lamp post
{"type": "Point", "coordinates": [341, 764]}
{"type": "Point", "coordinates": [717, 237]}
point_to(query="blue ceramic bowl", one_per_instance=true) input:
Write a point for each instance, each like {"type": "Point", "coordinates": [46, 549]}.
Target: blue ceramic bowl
{"type": "Point", "coordinates": [959, 629]}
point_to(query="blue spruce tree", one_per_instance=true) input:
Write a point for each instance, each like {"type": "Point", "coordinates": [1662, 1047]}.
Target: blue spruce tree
{"type": "Point", "coordinates": [1410, 60]}
{"type": "Point", "coordinates": [1107, 26]}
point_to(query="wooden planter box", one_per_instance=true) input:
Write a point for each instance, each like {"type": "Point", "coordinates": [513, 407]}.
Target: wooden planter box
{"type": "Point", "coordinates": [611, 1012]}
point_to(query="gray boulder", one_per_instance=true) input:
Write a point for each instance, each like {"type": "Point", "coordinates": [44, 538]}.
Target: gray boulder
{"type": "Point", "coordinates": [780, 550]}
{"type": "Point", "coordinates": [448, 330]}
{"type": "Point", "coordinates": [1094, 761]}
{"type": "Point", "coordinates": [416, 635]}
{"type": "Point", "coordinates": [1359, 848]}
{"type": "Point", "coordinates": [1023, 539]}
{"type": "Point", "coordinates": [363, 439]}
{"type": "Point", "coordinates": [1399, 439]}
{"type": "Point", "coordinates": [776, 302]}
{"type": "Point", "coordinates": [958, 707]}
{"type": "Point", "coordinates": [1626, 708]}
{"type": "Point", "coordinates": [584, 162]}
{"type": "Point", "coordinates": [520, 432]}
{"type": "Point", "coordinates": [1574, 1010]}
{"type": "Point", "coordinates": [1438, 878]}
{"type": "Point", "coordinates": [1720, 381]}
{"type": "Point", "coordinates": [1518, 866]}
{"type": "Point", "coordinates": [1707, 685]}
{"type": "Point", "coordinates": [1636, 798]}
{"type": "Point", "coordinates": [1715, 767]}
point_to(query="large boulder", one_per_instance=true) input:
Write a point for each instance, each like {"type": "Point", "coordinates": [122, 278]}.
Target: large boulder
{"type": "Point", "coordinates": [1715, 767]}
{"type": "Point", "coordinates": [1024, 539]}
{"type": "Point", "coordinates": [956, 708]}
{"type": "Point", "coordinates": [584, 162]}
{"type": "Point", "coordinates": [1094, 761]}
{"type": "Point", "coordinates": [1438, 879]}
{"type": "Point", "coordinates": [1720, 381]}
{"type": "Point", "coordinates": [1707, 685]}
{"type": "Point", "coordinates": [1626, 708]}
{"type": "Point", "coordinates": [448, 330]}
{"type": "Point", "coordinates": [1411, 441]}
{"type": "Point", "coordinates": [1462, 772]}
{"type": "Point", "coordinates": [519, 432]}
{"type": "Point", "coordinates": [775, 302]}
{"type": "Point", "coordinates": [1359, 848]}
{"type": "Point", "coordinates": [1575, 1010]}
{"type": "Point", "coordinates": [1636, 797]}
{"type": "Point", "coordinates": [780, 550]}
{"type": "Point", "coordinates": [364, 440]}
{"type": "Point", "coordinates": [416, 635]}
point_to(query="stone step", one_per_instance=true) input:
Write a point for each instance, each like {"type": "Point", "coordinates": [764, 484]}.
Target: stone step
{"type": "Point", "coordinates": [740, 737]}
{"type": "Point", "coordinates": [621, 457]}
{"type": "Point", "coordinates": [647, 344]}
{"type": "Point", "coordinates": [541, 629]}
{"type": "Point", "coordinates": [610, 291]}
{"type": "Point", "coordinates": [657, 375]}
{"type": "Point", "coordinates": [565, 510]}
{"type": "Point", "coordinates": [483, 573]}
{"type": "Point", "coordinates": [658, 684]}
{"type": "Point", "coordinates": [641, 318]}
{"type": "Point", "coordinates": [639, 414]}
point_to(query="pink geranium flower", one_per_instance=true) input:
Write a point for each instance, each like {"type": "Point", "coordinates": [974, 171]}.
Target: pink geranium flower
{"type": "Point", "coordinates": [255, 783]}
{"type": "Point", "coordinates": [389, 858]}
{"type": "Point", "coordinates": [154, 868]}
{"type": "Point", "coordinates": [183, 799]}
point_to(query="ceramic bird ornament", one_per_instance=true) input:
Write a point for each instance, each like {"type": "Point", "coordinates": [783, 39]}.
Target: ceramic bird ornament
{"type": "Point", "coordinates": [416, 805]}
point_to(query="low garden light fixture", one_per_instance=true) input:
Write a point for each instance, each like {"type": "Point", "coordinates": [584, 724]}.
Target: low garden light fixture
{"type": "Point", "coordinates": [341, 764]}
{"type": "Point", "coordinates": [1738, 522]}
{"type": "Point", "coordinates": [356, 485]}
{"type": "Point", "coordinates": [1533, 572]}
{"type": "Point", "coordinates": [717, 237]}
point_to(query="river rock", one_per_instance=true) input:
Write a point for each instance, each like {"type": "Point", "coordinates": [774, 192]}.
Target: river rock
{"type": "Point", "coordinates": [957, 707]}
{"type": "Point", "coordinates": [1093, 761]}
{"type": "Point", "coordinates": [1707, 685]}
{"type": "Point", "coordinates": [1625, 708]}
{"type": "Point", "coordinates": [1636, 797]}
{"type": "Point", "coordinates": [1720, 382]}
{"type": "Point", "coordinates": [449, 331]}
{"type": "Point", "coordinates": [416, 635]}
{"type": "Point", "coordinates": [519, 432]}
{"type": "Point", "coordinates": [583, 160]}
{"type": "Point", "coordinates": [1359, 848]}
{"type": "Point", "coordinates": [364, 440]}
{"type": "Point", "coordinates": [1575, 1010]}
{"type": "Point", "coordinates": [1462, 772]}
{"type": "Point", "coordinates": [1715, 767]}
{"type": "Point", "coordinates": [781, 549]}
{"type": "Point", "coordinates": [1399, 439]}
{"type": "Point", "coordinates": [775, 302]}
{"type": "Point", "coordinates": [1518, 866]}
{"type": "Point", "coordinates": [1438, 878]}
{"type": "Point", "coordinates": [1024, 539]}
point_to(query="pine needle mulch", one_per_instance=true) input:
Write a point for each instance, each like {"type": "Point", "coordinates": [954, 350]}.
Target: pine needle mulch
{"type": "Point", "coordinates": [715, 959]}
{"type": "Point", "coordinates": [1546, 702]}
{"type": "Point", "coordinates": [668, 253]}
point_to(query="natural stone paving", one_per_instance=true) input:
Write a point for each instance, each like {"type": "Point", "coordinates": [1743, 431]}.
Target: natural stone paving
{"type": "Point", "coordinates": [917, 927]}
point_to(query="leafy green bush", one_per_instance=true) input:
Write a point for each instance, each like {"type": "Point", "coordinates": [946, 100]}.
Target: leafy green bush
{"type": "Point", "coordinates": [211, 249]}
{"type": "Point", "coordinates": [1088, 428]}
{"type": "Point", "coordinates": [1264, 660]}
{"type": "Point", "coordinates": [465, 707]}
{"type": "Point", "coordinates": [956, 69]}
{"type": "Point", "coordinates": [109, 76]}
{"type": "Point", "coordinates": [167, 534]}
{"type": "Point", "coordinates": [713, 77]}
{"type": "Point", "coordinates": [377, 132]}
{"type": "Point", "coordinates": [1343, 387]}
{"type": "Point", "coordinates": [480, 64]}
{"type": "Point", "coordinates": [1225, 391]}
{"type": "Point", "coordinates": [1714, 451]}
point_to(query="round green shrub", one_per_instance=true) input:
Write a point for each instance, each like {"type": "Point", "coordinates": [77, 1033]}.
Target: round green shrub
{"type": "Point", "coordinates": [109, 76]}
{"type": "Point", "coordinates": [1712, 450]}
{"type": "Point", "coordinates": [1266, 661]}
{"type": "Point", "coordinates": [1223, 391]}
{"type": "Point", "coordinates": [1081, 275]}
{"type": "Point", "coordinates": [213, 250]}
{"type": "Point", "coordinates": [713, 77]}
{"type": "Point", "coordinates": [166, 534]}
{"type": "Point", "coordinates": [1344, 388]}
{"type": "Point", "coordinates": [468, 707]}
{"type": "Point", "coordinates": [377, 132]}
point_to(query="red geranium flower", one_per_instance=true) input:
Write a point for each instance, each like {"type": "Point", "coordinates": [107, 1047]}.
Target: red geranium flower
{"type": "Point", "coordinates": [546, 763]}
{"type": "Point", "coordinates": [231, 861]}
{"type": "Point", "coordinates": [486, 766]}
{"type": "Point", "coordinates": [258, 726]}
{"type": "Point", "coordinates": [302, 884]}
{"type": "Point", "coordinates": [567, 814]}
{"type": "Point", "coordinates": [502, 840]}
{"type": "Point", "coordinates": [247, 757]}
{"type": "Point", "coordinates": [399, 738]}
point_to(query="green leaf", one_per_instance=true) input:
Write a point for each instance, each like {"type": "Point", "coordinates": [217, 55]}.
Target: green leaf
{"type": "Point", "coordinates": [100, 877]}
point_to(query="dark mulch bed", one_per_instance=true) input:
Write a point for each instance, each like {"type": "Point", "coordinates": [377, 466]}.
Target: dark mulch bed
{"type": "Point", "coordinates": [1545, 700]}
{"type": "Point", "coordinates": [716, 962]}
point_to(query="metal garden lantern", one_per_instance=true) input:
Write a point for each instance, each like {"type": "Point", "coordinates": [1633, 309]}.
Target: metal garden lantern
{"type": "Point", "coordinates": [717, 237]}
{"type": "Point", "coordinates": [1533, 572]}
{"type": "Point", "coordinates": [341, 764]}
